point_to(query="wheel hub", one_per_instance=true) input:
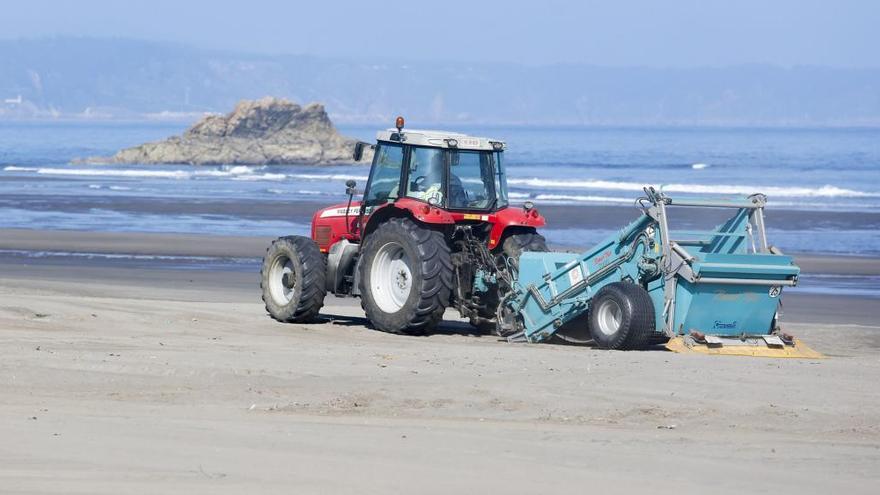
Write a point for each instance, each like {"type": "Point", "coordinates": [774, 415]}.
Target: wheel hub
{"type": "Point", "coordinates": [282, 280]}
{"type": "Point", "coordinates": [610, 316]}
{"type": "Point", "coordinates": [391, 277]}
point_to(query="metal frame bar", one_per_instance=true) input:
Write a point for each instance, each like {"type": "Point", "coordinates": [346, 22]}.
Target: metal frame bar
{"type": "Point", "coordinates": [745, 281]}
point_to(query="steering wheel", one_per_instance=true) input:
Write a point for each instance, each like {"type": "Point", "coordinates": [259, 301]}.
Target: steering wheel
{"type": "Point", "coordinates": [419, 183]}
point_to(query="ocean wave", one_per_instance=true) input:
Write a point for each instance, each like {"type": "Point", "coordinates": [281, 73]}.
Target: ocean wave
{"type": "Point", "coordinates": [303, 192]}
{"type": "Point", "coordinates": [328, 177]}
{"type": "Point", "coordinates": [826, 191]}
{"type": "Point", "coordinates": [528, 187]}
{"type": "Point", "coordinates": [273, 177]}
{"type": "Point", "coordinates": [699, 166]}
{"type": "Point", "coordinates": [239, 171]}
{"type": "Point", "coordinates": [566, 198]}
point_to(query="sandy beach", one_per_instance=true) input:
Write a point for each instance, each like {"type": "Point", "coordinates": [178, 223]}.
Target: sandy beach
{"type": "Point", "coordinates": [125, 377]}
{"type": "Point", "coordinates": [151, 152]}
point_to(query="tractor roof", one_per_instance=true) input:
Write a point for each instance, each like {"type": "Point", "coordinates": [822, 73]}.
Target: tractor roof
{"type": "Point", "coordinates": [440, 139]}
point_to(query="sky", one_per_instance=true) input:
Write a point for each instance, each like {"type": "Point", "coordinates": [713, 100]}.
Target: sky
{"type": "Point", "coordinates": [670, 33]}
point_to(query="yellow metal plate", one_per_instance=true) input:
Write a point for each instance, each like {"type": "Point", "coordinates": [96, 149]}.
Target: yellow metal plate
{"type": "Point", "coordinates": [798, 350]}
{"type": "Point", "coordinates": [471, 216]}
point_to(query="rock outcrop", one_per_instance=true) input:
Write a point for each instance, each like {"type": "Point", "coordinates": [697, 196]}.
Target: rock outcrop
{"type": "Point", "coordinates": [260, 132]}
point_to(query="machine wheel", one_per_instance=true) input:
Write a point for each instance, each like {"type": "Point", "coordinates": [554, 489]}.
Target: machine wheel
{"type": "Point", "coordinates": [292, 279]}
{"type": "Point", "coordinates": [513, 246]}
{"type": "Point", "coordinates": [405, 277]}
{"type": "Point", "coordinates": [622, 317]}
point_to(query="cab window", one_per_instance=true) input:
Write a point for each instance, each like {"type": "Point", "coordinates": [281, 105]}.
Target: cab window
{"type": "Point", "coordinates": [385, 177]}
{"type": "Point", "coordinates": [471, 181]}
{"type": "Point", "coordinates": [425, 177]}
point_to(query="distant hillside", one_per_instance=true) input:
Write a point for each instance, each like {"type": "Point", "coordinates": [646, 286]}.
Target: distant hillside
{"type": "Point", "coordinates": [101, 78]}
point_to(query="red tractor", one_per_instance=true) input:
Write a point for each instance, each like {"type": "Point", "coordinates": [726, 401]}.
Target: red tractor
{"type": "Point", "coordinates": [434, 229]}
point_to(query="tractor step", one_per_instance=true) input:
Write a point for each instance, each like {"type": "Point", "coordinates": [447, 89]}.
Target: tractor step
{"type": "Point", "coordinates": [771, 346]}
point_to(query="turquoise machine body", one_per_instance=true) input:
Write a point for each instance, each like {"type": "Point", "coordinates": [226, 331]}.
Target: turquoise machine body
{"type": "Point", "coordinates": [725, 281]}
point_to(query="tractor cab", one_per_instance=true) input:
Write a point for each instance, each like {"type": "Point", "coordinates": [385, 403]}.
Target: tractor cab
{"type": "Point", "coordinates": [437, 178]}
{"type": "Point", "coordinates": [446, 170]}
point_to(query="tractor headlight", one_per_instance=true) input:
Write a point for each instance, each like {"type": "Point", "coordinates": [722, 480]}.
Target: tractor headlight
{"type": "Point", "coordinates": [528, 206]}
{"type": "Point", "coordinates": [452, 143]}
{"type": "Point", "coordinates": [497, 146]}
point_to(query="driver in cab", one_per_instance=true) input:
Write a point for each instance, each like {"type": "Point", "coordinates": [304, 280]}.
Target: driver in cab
{"type": "Point", "coordinates": [426, 175]}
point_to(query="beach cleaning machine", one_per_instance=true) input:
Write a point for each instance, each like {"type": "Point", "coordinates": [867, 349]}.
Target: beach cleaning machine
{"type": "Point", "coordinates": [716, 291]}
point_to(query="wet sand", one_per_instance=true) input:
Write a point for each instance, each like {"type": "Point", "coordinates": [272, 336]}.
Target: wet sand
{"type": "Point", "coordinates": [130, 379]}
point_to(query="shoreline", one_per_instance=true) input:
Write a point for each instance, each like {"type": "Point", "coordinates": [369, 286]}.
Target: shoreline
{"type": "Point", "coordinates": [220, 261]}
{"type": "Point", "coordinates": [227, 246]}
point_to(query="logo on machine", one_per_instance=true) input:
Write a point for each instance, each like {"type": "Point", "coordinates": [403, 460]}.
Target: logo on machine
{"type": "Point", "coordinates": [602, 258]}
{"type": "Point", "coordinates": [341, 212]}
{"type": "Point", "coordinates": [725, 325]}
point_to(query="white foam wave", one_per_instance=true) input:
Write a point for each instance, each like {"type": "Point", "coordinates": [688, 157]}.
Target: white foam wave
{"type": "Point", "coordinates": [260, 177]}
{"type": "Point", "coordinates": [328, 177]}
{"type": "Point", "coordinates": [237, 171]}
{"type": "Point", "coordinates": [241, 169]}
{"type": "Point", "coordinates": [699, 166]}
{"type": "Point", "coordinates": [826, 191]}
{"type": "Point", "coordinates": [566, 198]}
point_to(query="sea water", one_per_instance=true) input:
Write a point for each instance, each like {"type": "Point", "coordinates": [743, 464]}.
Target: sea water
{"type": "Point", "coordinates": [834, 171]}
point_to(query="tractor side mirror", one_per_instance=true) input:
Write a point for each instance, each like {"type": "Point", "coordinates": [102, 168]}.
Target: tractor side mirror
{"type": "Point", "coordinates": [350, 186]}
{"type": "Point", "coordinates": [358, 150]}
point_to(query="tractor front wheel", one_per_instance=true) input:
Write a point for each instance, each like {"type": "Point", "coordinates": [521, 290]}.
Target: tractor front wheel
{"type": "Point", "coordinates": [622, 317]}
{"type": "Point", "coordinates": [292, 278]}
{"type": "Point", "coordinates": [405, 276]}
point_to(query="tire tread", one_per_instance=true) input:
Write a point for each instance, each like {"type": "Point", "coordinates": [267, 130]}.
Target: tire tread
{"type": "Point", "coordinates": [436, 278]}
{"type": "Point", "coordinates": [313, 283]}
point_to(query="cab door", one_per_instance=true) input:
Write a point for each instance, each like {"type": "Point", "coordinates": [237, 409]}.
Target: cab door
{"type": "Point", "coordinates": [386, 175]}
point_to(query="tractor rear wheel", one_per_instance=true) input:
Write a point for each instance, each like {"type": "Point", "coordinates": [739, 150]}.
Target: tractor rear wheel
{"type": "Point", "coordinates": [622, 317]}
{"type": "Point", "coordinates": [516, 244]}
{"type": "Point", "coordinates": [405, 276]}
{"type": "Point", "coordinates": [293, 279]}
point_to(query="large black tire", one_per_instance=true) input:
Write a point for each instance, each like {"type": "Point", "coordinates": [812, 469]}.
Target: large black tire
{"type": "Point", "coordinates": [516, 244]}
{"type": "Point", "coordinates": [293, 279]}
{"type": "Point", "coordinates": [622, 317]}
{"type": "Point", "coordinates": [413, 277]}
{"type": "Point", "coordinates": [511, 248]}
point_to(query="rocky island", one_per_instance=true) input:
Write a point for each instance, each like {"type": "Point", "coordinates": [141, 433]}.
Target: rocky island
{"type": "Point", "coordinates": [257, 132]}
